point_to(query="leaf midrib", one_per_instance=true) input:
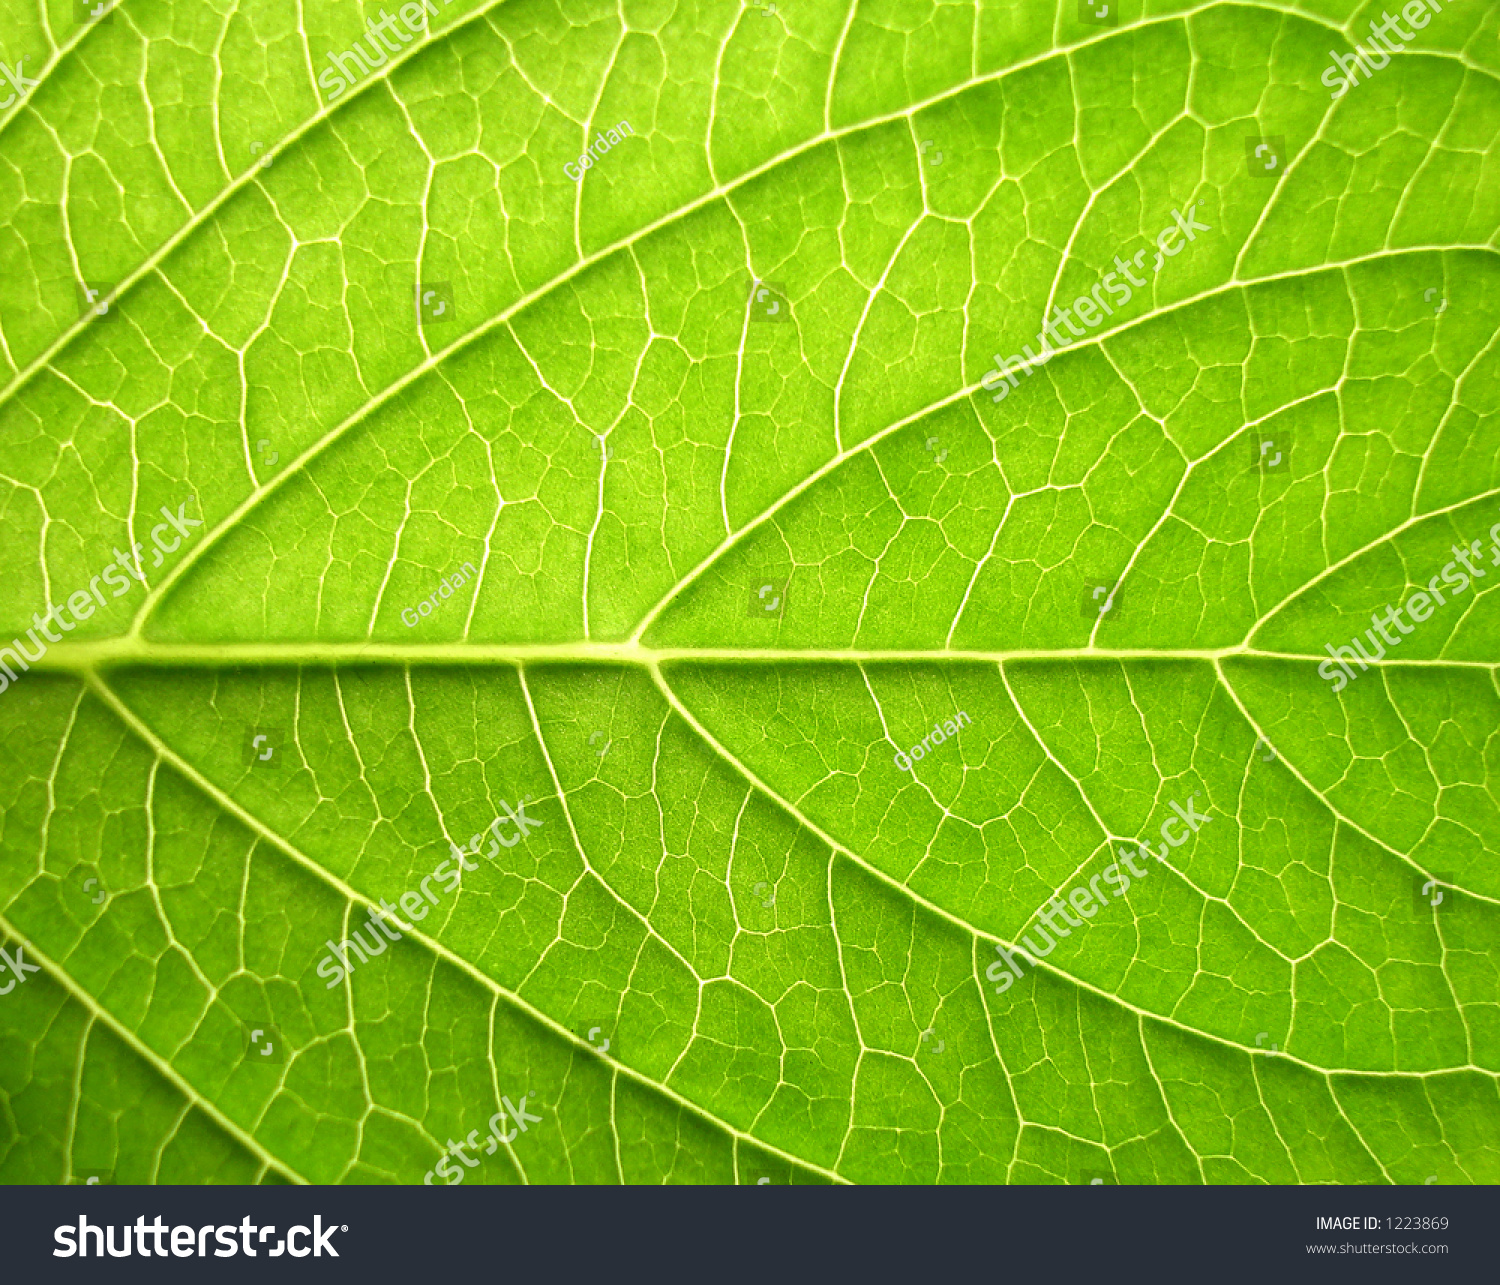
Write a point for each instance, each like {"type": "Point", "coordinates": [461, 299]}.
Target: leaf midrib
{"type": "Point", "coordinates": [109, 653]}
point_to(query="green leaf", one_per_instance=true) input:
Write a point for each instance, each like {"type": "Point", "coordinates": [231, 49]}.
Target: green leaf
{"type": "Point", "coordinates": [714, 431]}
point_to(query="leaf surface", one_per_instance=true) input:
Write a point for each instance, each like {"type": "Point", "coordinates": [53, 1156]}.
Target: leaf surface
{"type": "Point", "coordinates": [713, 430]}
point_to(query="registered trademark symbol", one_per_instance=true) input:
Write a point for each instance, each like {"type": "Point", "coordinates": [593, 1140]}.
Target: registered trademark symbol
{"type": "Point", "coordinates": [345, 1227]}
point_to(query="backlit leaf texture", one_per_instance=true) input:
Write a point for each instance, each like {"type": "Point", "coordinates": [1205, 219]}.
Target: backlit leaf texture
{"type": "Point", "coordinates": [714, 429]}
